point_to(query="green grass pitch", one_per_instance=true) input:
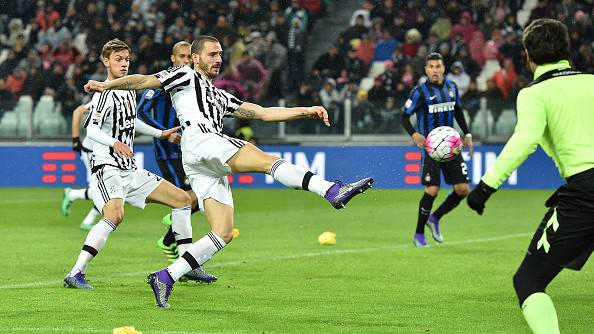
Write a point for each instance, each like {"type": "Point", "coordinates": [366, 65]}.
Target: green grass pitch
{"type": "Point", "coordinates": [276, 278]}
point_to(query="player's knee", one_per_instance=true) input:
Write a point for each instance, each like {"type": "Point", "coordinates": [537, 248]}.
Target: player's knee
{"type": "Point", "coordinates": [432, 191]}
{"type": "Point", "coordinates": [524, 286]}
{"type": "Point", "coordinates": [225, 234]}
{"type": "Point", "coordinates": [115, 216]}
{"type": "Point", "coordinates": [462, 190]}
{"type": "Point", "coordinates": [181, 199]}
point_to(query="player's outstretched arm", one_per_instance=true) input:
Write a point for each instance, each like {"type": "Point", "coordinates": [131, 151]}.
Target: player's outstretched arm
{"type": "Point", "coordinates": [279, 114]}
{"type": "Point", "coordinates": [77, 115]}
{"type": "Point", "coordinates": [129, 82]}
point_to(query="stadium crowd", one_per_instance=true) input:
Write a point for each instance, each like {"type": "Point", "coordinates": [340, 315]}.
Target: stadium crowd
{"type": "Point", "coordinates": [51, 47]}
{"type": "Point", "coordinates": [481, 42]}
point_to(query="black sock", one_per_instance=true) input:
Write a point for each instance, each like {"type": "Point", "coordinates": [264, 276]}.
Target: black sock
{"type": "Point", "coordinates": [424, 210]}
{"type": "Point", "coordinates": [448, 205]}
{"type": "Point", "coordinates": [169, 237]}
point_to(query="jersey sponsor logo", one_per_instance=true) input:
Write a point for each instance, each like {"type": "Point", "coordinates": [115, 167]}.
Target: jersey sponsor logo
{"type": "Point", "coordinates": [125, 123]}
{"type": "Point", "coordinates": [441, 107]}
{"type": "Point", "coordinates": [149, 94]}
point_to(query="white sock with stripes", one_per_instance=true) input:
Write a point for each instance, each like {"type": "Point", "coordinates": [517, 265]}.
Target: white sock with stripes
{"type": "Point", "coordinates": [95, 240]}
{"type": "Point", "coordinates": [196, 255]}
{"type": "Point", "coordinates": [76, 194]}
{"type": "Point", "coordinates": [296, 177]}
{"type": "Point", "coordinates": [181, 225]}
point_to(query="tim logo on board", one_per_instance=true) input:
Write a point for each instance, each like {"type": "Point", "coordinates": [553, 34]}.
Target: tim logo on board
{"type": "Point", "coordinates": [316, 166]}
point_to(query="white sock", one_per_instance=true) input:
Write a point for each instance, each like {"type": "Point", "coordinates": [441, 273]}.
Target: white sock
{"type": "Point", "coordinates": [91, 216]}
{"type": "Point", "coordinates": [181, 225]}
{"type": "Point", "coordinates": [196, 255]}
{"type": "Point", "coordinates": [95, 240]}
{"type": "Point", "coordinates": [296, 177]}
{"type": "Point", "coordinates": [75, 194]}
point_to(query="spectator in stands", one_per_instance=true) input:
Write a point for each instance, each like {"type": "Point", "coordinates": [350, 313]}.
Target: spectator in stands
{"type": "Point", "coordinates": [442, 28]}
{"type": "Point", "coordinates": [377, 95]}
{"type": "Point", "coordinates": [495, 102]}
{"type": "Point", "coordinates": [295, 11]}
{"type": "Point", "coordinates": [354, 66]}
{"type": "Point", "coordinates": [330, 63]}
{"type": "Point", "coordinates": [431, 11]}
{"type": "Point", "coordinates": [55, 79]}
{"type": "Point", "coordinates": [34, 83]}
{"type": "Point", "coordinates": [281, 29]}
{"type": "Point", "coordinates": [397, 28]}
{"type": "Point", "coordinates": [365, 50]}
{"type": "Point", "coordinates": [296, 55]}
{"type": "Point", "coordinates": [67, 54]}
{"type": "Point", "coordinates": [412, 42]}
{"type": "Point", "coordinates": [251, 74]}
{"type": "Point", "coordinates": [70, 97]}
{"type": "Point", "coordinates": [353, 32]}
{"type": "Point", "coordinates": [365, 11]}
{"type": "Point", "coordinates": [471, 100]}
{"type": "Point", "coordinates": [329, 95]}
{"type": "Point", "coordinates": [458, 76]}
{"type": "Point", "coordinates": [16, 81]}
{"type": "Point", "coordinates": [257, 45]}
{"type": "Point", "coordinates": [465, 27]}
{"type": "Point", "coordinates": [385, 46]}
{"type": "Point", "coordinates": [31, 61]}
{"type": "Point", "coordinates": [363, 114]}
{"type": "Point", "coordinates": [7, 99]}
{"type": "Point", "coordinates": [221, 29]}
{"type": "Point", "coordinates": [387, 11]}
{"type": "Point", "coordinates": [505, 78]}
{"type": "Point", "coordinates": [275, 62]}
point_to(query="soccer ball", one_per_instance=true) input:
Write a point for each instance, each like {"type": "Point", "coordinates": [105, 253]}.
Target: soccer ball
{"type": "Point", "coordinates": [443, 144]}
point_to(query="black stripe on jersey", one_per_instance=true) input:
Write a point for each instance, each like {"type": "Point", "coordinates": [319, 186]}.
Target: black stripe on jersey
{"type": "Point", "coordinates": [236, 101]}
{"type": "Point", "coordinates": [423, 99]}
{"type": "Point", "coordinates": [172, 79]}
{"type": "Point", "coordinates": [114, 127]}
{"type": "Point", "coordinates": [102, 99]}
{"type": "Point", "coordinates": [211, 110]}
{"type": "Point", "coordinates": [185, 83]}
{"type": "Point", "coordinates": [202, 128]}
{"type": "Point", "coordinates": [199, 96]}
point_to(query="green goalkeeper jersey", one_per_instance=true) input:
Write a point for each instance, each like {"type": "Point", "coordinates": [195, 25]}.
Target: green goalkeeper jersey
{"type": "Point", "coordinates": [556, 112]}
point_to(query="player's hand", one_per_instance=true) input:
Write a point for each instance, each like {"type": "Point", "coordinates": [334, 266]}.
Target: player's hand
{"type": "Point", "coordinates": [468, 143]}
{"type": "Point", "coordinates": [122, 149]}
{"type": "Point", "coordinates": [94, 86]}
{"type": "Point", "coordinates": [76, 144]}
{"type": "Point", "coordinates": [419, 140]}
{"type": "Point", "coordinates": [319, 112]}
{"type": "Point", "coordinates": [478, 196]}
{"type": "Point", "coordinates": [171, 135]}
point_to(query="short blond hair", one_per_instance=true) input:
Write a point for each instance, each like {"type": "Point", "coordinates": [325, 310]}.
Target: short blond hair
{"type": "Point", "coordinates": [112, 46]}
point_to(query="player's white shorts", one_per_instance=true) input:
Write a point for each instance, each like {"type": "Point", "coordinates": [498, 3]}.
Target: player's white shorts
{"type": "Point", "coordinates": [133, 186]}
{"type": "Point", "coordinates": [205, 157]}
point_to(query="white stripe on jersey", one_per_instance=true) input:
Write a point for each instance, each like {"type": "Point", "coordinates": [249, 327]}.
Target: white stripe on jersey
{"type": "Point", "coordinates": [196, 100]}
{"type": "Point", "coordinates": [114, 111]}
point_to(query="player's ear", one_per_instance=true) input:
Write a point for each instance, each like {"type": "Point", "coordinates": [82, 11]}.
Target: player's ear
{"type": "Point", "coordinates": [106, 62]}
{"type": "Point", "coordinates": [172, 58]}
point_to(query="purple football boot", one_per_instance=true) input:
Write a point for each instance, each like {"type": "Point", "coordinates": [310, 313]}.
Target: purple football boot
{"type": "Point", "coordinates": [419, 240]}
{"type": "Point", "coordinates": [341, 193]}
{"type": "Point", "coordinates": [433, 224]}
{"type": "Point", "coordinates": [162, 285]}
{"type": "Point", "coordinates": [77, 281]}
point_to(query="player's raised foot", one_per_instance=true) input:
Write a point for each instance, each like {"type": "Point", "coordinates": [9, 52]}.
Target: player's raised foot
{"type": "Point", "coordinates": [66, 202]}
{"type": "Point", "coordinates": [167, 219]}
{"type": "Point", "coordinates": [433, 224]}
{"type": "Point", "coordinates": [199, 275]}
{"type": "Point", "coordinates": [419, 240]}
{"type": "Point", "coordinates": [170, 252]}
{"type": "Point", "coordinates": [341, 193]}
{"type": "Point", "coordinates": [77, 281]}
{"type": "Point", "coordinates": [162, 285]}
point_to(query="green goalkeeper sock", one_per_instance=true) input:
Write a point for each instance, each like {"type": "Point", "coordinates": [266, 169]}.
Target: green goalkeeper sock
{"type": "Point", "coordinates": [540, 314]}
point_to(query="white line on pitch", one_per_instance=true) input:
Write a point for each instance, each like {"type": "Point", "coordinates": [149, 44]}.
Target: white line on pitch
{"type": "Point", "coordinates": [279, 258]}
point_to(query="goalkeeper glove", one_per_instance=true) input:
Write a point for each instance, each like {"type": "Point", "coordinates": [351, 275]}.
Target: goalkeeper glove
{"type": "Point", "coordinates": [478, 196]}
{"type": "Point", "coordinates": [76, 144]}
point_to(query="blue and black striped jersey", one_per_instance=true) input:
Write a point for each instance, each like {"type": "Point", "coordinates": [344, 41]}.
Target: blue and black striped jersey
{"type": "Point", "coordinates": [155, 109]}
{"type": "Point", "coordinates": [435, 106]}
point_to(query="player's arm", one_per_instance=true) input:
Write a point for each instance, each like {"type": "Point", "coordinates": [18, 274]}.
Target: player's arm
{"type": "Point", "coordinates": [279, 114]}
{"type": "Point", "coordinates": [529, 130]}
{"type": "Point", "coordinates": [129, 82]}
{"type": "Point", "coordinates": [77, 115]}
{"type": "Point", "coordinates": [169, 134]}
{"type": "Point", "coordinates": [461, 120]}
{"type": "Point", "coordinates": [410, 107]}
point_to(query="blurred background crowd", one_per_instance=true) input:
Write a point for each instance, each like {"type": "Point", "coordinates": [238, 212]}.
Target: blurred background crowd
{"type": "Point", "coordinates": [50, 48]}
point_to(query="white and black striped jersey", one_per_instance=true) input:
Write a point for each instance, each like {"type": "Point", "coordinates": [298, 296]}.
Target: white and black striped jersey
{"type": "Point", "coordinates": [88, 143]}
{"type": "Point", "coordinates": [196, 100]}
{"type": "Point", "coordinates": [114, 112]}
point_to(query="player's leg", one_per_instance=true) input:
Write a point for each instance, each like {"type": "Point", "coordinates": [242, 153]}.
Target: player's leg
{"type": "Point", "coordinates": [249, 158]}
{"type": "Point", "coordinates": [530, 282]}
{"type": "Point", "coordinates": [108, 195]}
{"type": "Point", "coordinates": [431, 179]}
{"type": "Point", "coordinates": [455, 173]}
{"type": "Point", "coordinates": [220, 217]}
{"type": "Point", "coordinates": [93, 213]}
{"type": "Point", "coordinates": [71, 195]}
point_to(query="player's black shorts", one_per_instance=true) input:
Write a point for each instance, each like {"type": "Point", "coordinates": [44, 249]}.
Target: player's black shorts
{"type": "Point", "coordinates": [454, 171]}
{"type": "Point", "coordinates": [566, 234]}
{"type": "Point", "coordinates": [173, 171]}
